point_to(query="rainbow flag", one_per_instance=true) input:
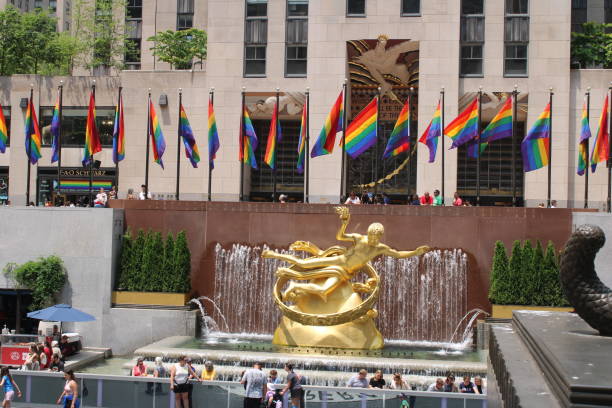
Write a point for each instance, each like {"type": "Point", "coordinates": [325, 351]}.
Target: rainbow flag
{"type": "Point", "coordinates": [157, 137]}
{"type": "Point", "coordinates": [399, 141]}
{"type": "Point", "coordinates": [362, 132]}
{"type": "Point", "coordinates": [302, 141]}
{"type": "Point", "coordinates": [465, 126]}
{"type": "Point", "coordinates": [119, 133]}
{"type": "Point", "coordinates": [92, 138]}
{"type": "Point", "coordinates": [500, 127]}
{"type": "Point", "coordinates": [32, 134]}
{"type": "Point", "coordinates": [3, 132]}
{"type": "Point", "coordinates": [600, 149]}
{"type": "Point", "coordinates": [213, 135]}
{"type": "Point", "coordinates": [334, 123]}
{"type": "Point", "coordinates": [534, 147]}
{"type": "Point", "coordinates": [191, 147]}
{"type": "Point", "coordinates": [432, 133]}
{"type": "Point", "coordinates": [55, 132]}
{"type": "Point", "coordinates": [248, 141]}
{"type": "Point", "coordinates": [585, 134]}
{"type": "Point", "coordinates": [84, 184]}
{"type": "Point", "coordinates": [274, 137]}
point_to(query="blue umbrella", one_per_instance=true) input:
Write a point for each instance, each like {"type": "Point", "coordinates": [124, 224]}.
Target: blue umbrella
{"type": "Point", "coordinates": [61, 313]}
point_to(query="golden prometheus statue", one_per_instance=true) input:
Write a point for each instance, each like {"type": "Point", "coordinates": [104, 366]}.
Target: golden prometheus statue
{"type": "Point", "coordinates": [327, 310]}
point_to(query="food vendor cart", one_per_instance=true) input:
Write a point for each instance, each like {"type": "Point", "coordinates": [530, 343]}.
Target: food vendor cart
{"type": "Point", "coordinates": [14, 348]}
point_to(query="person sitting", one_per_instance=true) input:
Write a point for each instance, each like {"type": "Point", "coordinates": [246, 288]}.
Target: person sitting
{"type": "Point", "coordinates": [426, 199]}
{"type": "Point", "coordinates": [438, 386]}
{"type": "Point", "coordinates": [273, 395]}
{"type": "Point", "coordinates": [352, 199]}
{"type": "Point", "coordinates": [159, 371]}
{"type": "Point", "coordinates": [398, 383]}
{"type": "Point", "coordinates": [359, 380]}
{"type": "Point", "coordinates": [449, 384]}
{"type": "Point", "coordinates": [56, 364]}
{"type": "Point", "coordinates": [42, 357]}
{"type": "Point", "coordinates": [65, 347]}
{"type": "Point", "coordinates": [478, 387]}
{"type": "Point", "coordinates": [457, 201]}
{"type": "Point", "coordinates": [209, 373]}
{"type": "Point", "coordinates": [140, 369]}
{"type": "Point", "coordinates": [414, 200]}
{"type": "Point", "coordinates": [55, 349]}
{"type": "Point", "coordinates": [101, 199]}
{"type": "Point", "coordinates": [467, 386]}
{"type": "Point", "coordinates": [31, 361]}
{"type": "Point", "coordinates": [437, 201]}
{"type": "Point", "coordinates": [377, 381]}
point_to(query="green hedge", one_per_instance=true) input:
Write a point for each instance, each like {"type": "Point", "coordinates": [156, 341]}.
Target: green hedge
{"type": "Point", "coordinates": [151, 264]}
{"type": "Point", "coordinates": [529, 277]}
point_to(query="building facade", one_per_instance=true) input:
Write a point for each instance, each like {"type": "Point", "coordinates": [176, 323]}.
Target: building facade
{"type": "Point", "coordinates": [406, 47]}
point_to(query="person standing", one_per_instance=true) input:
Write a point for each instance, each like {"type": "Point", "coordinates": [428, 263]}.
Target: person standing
{"type": "Point", "coordinates": [101, 199]}
{"type": "Point", "coordinates": [437, 201]}
{"type": "Point", "coordinates": [8, 386]}
{"type": "Point", "coordinates": [56, 364]}
{"type": "Point", "coordinates": [179, 382]}
{"type": "Point", "coordinates": [426, 199]}
{"type": "Point", "coordinates": [352, 199]}
{"type": "Point", "coordinates": [255, 386]}
{"type": "Point", "coordinates": [70, 395]}
{"type": "Point", "coordinates": [457, 201]}
{"type": "Point", "coordinates": [112, 194]}
{"type": "Point", "coordinates": [140, 369]}
{"type": "Point", "coordinates": [294, 386]}
{"type": "Point", "coordinates": [145, 194]}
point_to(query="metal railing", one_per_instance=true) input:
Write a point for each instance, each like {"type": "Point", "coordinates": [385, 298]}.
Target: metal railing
{"type": "Point", "coordinates": [41, 389]}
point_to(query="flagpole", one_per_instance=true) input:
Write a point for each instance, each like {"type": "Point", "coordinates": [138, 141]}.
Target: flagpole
{"type": "Point", "coordinates": [586, 172]}
{"type": "Point", "coordinates": [514, 112]}
{"type": "Point", "coordinates": [377, 133]}
{"type": "Point", "coordinates": [29, 146]}
{"type": "Point", "coordinates": [307, 147]}
{"type": "Point", "coordinates": [478, 146]}
{"type": "Point", "coordinates": [119, 108]}
{"type": "Point", "coordinates": [550, 102]}
{"type": "Point", "coordinates": [609, 199]}
{"type": "Point", "coordinates": [409, 166]}
{"type": "Point", "coordinates": [59, 141]}
{"type": "Point", "coordinates": [146, 183]}
{"type": "Point", "coordinates": [241, 145]}
{"type": "Point", "coordinates": [178, 146]}
{"type": "Point", "coordinates": [442, 137]}
{"type": "Point", "coordinates": [91, 158]}
{"type": "Point", "coordinates": [343, 163]}
{"type": "Point", "coordinates": [211, 96]}
{"type": "Point", "coordinates": [275, 146]}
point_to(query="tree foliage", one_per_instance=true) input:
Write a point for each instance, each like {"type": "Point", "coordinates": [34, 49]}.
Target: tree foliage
{"type": "Point", "coordinates": [499, 275]}
{"type": "Point", "coordinates": [179, 48]}
{"type": "Point", "coordinates": [45, 277]}
{"type": "Point", "coordinates": [593, 46]}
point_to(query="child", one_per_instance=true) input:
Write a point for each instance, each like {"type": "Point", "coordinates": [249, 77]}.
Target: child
{"type": "Point", "coordinates": [8, 386]}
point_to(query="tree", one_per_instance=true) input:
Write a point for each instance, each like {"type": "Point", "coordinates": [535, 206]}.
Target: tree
{"type": "Point", "coordinates": [99, 27]}
{"type": "Point", "coordinates": [45, 277]}
{"type": "Point", "coordinates": [514, 271]}
{"type": "Point", "coordinates": [179, 48]}
{"type": "Point", "coordinates": [134, 282]}
{"type": "Point", "coordinates": [168, 268]}
{"type": "Point", "coordinates": [182, 264]}
{"type": "Point", "coordinates": [536, 286]}
{"type": "Point", "coordinates": [498, 292]}
{"type": "Point", "coordinates": [523, 284]}
{"type": "Point", "coordinates": [553, 292]}
{"type": "Point", "coordinates": [593, 46]}
{"type": "Point", "coordinates": [125, 270]}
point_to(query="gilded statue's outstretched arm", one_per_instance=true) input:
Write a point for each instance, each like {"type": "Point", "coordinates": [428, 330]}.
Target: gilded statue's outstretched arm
{"type": "Point", "coordinates": [345, 217]}
{"type": "Point", "coordinates": [406, 254]}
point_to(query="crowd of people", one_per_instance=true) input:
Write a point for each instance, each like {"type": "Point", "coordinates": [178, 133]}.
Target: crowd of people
{"type": "Point", "coordinates": [360, 380]}
{"type": "Point", "coordinates": [413, 199]}
{"type": "Point", "coordinates": [48, 356]}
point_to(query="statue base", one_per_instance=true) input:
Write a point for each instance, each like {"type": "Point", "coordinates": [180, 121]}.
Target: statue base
{"type": "Point", "coordinates": [352, 335]}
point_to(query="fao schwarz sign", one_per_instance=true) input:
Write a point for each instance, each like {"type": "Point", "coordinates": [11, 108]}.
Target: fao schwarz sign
{"type": "Point", "coordinates": [81, 173]}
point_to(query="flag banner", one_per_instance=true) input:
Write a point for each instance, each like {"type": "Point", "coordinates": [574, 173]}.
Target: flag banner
{"type": "Point", "coordinates": [157, 137]}
{"type": "Point", "coordinates": [362, 132]}
{"type": "Point", "coordinates": [32, 134]}
{"type": "Point", "coordinates": [213, 135]}
{"type": "Point", "coordinates": [119, 133]}
{"type": "Point", "coordinates": [55, 132]}
{"type": "Point", "coordinates": [599, 153]}
{"type": "Point", "coordinates": [302, 141]}
{"type": "Point", "coordinates": [500, 126]}
{"type": "Point", "coordinates": [191, 147]}
{"type": "Point", "coordinates": [3, 132]}
{"type": "Point", "coordinates": [274, 137]}
{"type": "Point", "coordinates": [534, 147]}
{"type": "Point", "coordinates": [248, 141]}
{"type": "Point", "coordinates": [585, 134]}
{"type": "Point", "coordinates": [92, 138]}
{"type": "Point", "coordinates": [432, 133]}
{"type": "Point", "coordinates": [465, 126]}
{"type": "Point", "coordinates": [334, 123]}
{"type": "Point", "coordinates": [399, 141]}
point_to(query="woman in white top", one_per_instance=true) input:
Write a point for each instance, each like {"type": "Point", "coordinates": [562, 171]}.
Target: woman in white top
{"type": "Point", "coordinates": [70, 395]}
{"type": "Point", "coordinates": [101, 198]}
{"type": "Point", "coordinates": [179, 379]}
{"type": "Point", "coordinates": [352, 199]}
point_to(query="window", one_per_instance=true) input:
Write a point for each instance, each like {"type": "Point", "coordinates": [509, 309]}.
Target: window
{"type": "Point", "coordinates": [52, 5]}
{"type": "Point", "coordinates": [184, 14]}
{"type": "Point", "coordinates": [133, 32]}
{"type": "Point", "coordinates": [255, 38]}
{"type": "Point", "coordinates": [134, 10]}
{"type": "Point", "coordinates": [355, 8]}
{"type": "Point", "coordinates": [297, 38]}
{"type": "Point", "coordinates": [38, 4]}
{"type": "Point", "coordinates": [516, 37]}
{"type": "Point", "coordinates": [411, 7]}
{"type": "Point", "coordinates": [579, 14]}
{"type": "Point", "coordinates": [133, 53]}
{"type": "Point", "coordinates": [73, 125]}
{"type": "Point", "coordinates": [4, 184]}
{"type": "Point", "coordinates": [472, 37]}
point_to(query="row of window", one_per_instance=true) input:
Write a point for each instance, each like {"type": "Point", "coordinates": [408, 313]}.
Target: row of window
{"type": "Point", "coordinates": [516, 37]}
{"type": "Point", "coordinates": [357, 8]}
{"type": "Point", "coordinates": [256, 38]}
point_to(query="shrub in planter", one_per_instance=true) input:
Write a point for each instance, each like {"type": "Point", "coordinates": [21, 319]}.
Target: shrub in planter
{"type": "Point", "coordinates": [168, 270]}
{"type": "Point", "coordinates": [182, 264]}
{"type": "Point", "coordinates": [45, 277]}
{"type": "Point", "coordinates": [498, 291]}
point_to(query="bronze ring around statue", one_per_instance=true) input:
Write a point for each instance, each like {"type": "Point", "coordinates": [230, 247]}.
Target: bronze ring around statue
{"type": "Point", "coordinates": [331, 319]}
